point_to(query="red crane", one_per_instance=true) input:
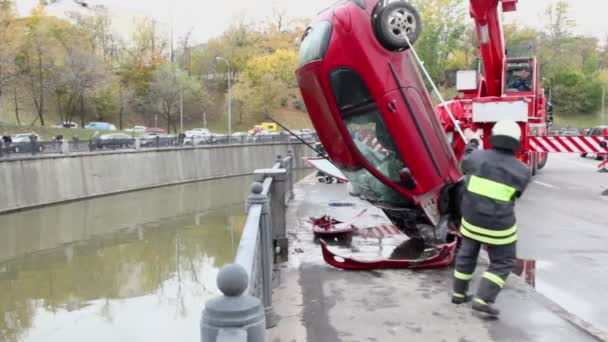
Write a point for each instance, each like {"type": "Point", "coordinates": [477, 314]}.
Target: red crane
{"type": "Point", "coordinates": [508, 89]}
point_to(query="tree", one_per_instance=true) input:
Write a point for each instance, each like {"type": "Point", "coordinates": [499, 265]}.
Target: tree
{"type": "Point", "coordinates": [82, 74]}
{"type": "Point", "coordinates": [37, 56]}
{"type": "Point", "coordinates": [254, 99]}
{"type": "Point", "coordinates": [280, 64]}
{"type": "Point", "coordinates": [9, 42]}
{"type": "Point", "coordinates": [168, 82]}
{"type": "Point", "coordinates": [443, 28]}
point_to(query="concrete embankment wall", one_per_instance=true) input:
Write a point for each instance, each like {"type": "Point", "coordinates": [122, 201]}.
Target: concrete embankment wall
{"type": "Point", "coordinates": [33, 182]}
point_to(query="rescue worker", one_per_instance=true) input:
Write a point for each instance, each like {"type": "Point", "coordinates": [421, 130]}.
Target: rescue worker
{"type": "Point", "coordinates": [495, 179]}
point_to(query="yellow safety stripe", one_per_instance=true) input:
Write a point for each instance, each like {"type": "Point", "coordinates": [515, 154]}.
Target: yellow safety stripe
{"type": "Point", "coordinates": [490, 232]}
{"type": "Point", "coordinates": [458, 295]}
{"type": "Point", "coordinates": [462, 276]}
{"type": "Point", "coordinates": [494, 278]}
{"type": "Point", "coordinates": [491, 189]}
{"type": "Point", "coordinates": [481, 301]}
{"type": "Point", "coordinates": [487, 240]}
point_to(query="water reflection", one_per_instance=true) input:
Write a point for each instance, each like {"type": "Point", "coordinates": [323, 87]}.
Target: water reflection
{"type": "Point", "coordinates": [132, 267]}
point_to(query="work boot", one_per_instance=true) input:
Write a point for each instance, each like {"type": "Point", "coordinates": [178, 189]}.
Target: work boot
{"type": "Point", "coordinates": [482, 306]}
{"type": "Point", "coordinates": [459, 299]}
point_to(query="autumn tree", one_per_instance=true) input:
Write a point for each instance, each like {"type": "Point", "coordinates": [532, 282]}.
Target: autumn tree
{"type": "Point", "coordinates": [37, 56]}
{"type": "Point", "coordinates": [168, 84]}
{"type": "Point", "coordinates": [443, 28]}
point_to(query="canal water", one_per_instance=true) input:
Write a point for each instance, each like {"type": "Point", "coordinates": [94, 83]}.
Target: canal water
{"type": "Point", "coordinates": [131, 267]}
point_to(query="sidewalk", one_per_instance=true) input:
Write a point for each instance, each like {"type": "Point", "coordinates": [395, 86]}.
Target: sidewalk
{"type": "Point", "coordinates": [319, 303]}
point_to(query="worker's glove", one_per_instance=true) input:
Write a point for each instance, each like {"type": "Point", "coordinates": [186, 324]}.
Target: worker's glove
{"type": "Point", "coordinates": [469, 134]}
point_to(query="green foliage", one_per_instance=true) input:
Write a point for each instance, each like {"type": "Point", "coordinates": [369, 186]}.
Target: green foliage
{"type": "Point", "coordinates": [575, 93]}
{"type": "Point", "coordinates": [299, 104]}
{"type": "Point", "coordinates": [443, 27]}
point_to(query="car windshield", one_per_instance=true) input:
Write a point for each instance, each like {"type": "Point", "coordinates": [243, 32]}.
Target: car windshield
{"type": "Point", "coordinates": [315, 42]}
{"type": "Point", "coordinates": [370, 134]}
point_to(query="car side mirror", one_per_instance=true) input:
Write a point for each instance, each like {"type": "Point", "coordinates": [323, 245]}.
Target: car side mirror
{"type": "Point", "coordinates": [407, 180]}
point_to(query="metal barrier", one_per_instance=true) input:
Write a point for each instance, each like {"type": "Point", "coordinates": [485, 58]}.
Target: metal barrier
{"type": "Point", "coordinates": [245, 309]}
{"type": "Point", "coordinates": [34, 147]}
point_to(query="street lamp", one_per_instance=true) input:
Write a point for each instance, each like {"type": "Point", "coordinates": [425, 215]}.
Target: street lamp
{"type": "Point", "coordinates": [229, 97]}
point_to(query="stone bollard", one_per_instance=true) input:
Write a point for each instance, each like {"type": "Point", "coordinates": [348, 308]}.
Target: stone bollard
{"type": "Point", "coordinates": [236, 316]}
{"type": "Point", "coordinates": [267, 250]}
{"type": "Point", "coordinates": [65, 146]}
{"type": "Point", "coordinates": [290, 174]}
{"type": "Point", "coordinates": [279, 161]}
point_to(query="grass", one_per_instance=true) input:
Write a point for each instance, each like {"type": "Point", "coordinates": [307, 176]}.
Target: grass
{"type": "Point", "coordinates": [291, 118]}
{"type": "Point", "coordinates": [576, 121]}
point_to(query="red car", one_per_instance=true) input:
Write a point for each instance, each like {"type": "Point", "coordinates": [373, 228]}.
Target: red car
{"type": "Point", "coordinates": [372, 113]}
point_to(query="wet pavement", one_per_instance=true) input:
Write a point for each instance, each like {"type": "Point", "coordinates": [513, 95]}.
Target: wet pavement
{"type": "Point", "coordinates": [319, 303]}
{"type": "Point", "coordinates": [132, 267]}
{"type": "Point", "coordinates": [564, 228]}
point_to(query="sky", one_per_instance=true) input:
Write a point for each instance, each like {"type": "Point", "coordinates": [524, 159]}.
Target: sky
{"type": "Point", "coordinates": [209, 18]}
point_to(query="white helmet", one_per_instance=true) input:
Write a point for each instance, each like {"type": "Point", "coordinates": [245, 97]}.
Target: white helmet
{"type": "Point", "coordinates": [507, 135]}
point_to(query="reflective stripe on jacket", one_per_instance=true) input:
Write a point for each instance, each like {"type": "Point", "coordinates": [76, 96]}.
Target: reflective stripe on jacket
{"type": "Point", "coordinates": [495, 178]}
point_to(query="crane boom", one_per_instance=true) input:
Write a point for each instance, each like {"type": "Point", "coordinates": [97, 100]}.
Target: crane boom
{"type": "Point", "coordinates": [491, 41]}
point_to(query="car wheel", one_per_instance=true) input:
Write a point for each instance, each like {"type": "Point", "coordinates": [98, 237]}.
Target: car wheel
{"type": "Point", "coordinates": [534, 164]}
{"type": "Point", "coordinates": [543, 162]}
{"type": "Point", "coordinates": [393, 21]}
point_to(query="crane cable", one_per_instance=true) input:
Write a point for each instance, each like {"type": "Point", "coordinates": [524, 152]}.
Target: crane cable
{"type": "Point", "coordinates": [428, 77]}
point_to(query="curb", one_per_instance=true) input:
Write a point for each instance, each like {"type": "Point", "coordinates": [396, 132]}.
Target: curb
{"type": "Point", "coordinates": [560, 311]}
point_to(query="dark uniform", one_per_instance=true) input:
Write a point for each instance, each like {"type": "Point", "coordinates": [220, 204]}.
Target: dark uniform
{"type": "Point", "coordinates": [495, 178]}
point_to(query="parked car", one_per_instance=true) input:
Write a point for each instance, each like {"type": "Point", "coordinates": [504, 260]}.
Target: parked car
{"type": "Point", "coordinates": [136, 129]}
{"type": "Point", "coordinates": [154, 139]}
{"type": "Point", "coordinates": [569, 132]}
{"type": "Point", "coordinates": [154, 130]}
{"type": "Point", "coordinates": [240, 137]}
{"type": "Point", "coordinates": [197, 132]}
{"type": "Point", "coordinates": [22, 143]}
{"type": "Point", "coordinates": [114, 140]}
{"type": "Point", "coordinates": [67, 124]}
{"type": "Point", "coordinates": [100, 126]}
{"type": "Point", "coordinates": [598, 131]}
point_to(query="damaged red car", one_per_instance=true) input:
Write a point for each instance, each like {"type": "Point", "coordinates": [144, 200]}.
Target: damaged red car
{"type": "Point", "coordinates": [375, 118]}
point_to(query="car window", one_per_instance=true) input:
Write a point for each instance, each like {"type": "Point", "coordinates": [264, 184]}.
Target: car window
{"type": "Point", "coordinates": [315, 42]}
{"type": "Point", "coordinates": [365, 123]}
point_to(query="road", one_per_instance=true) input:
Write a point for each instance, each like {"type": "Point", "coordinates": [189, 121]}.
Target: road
{"type": "Point", "coordinates": [564, 227]}
{"type": "Point", "coordinates": [316, 302]}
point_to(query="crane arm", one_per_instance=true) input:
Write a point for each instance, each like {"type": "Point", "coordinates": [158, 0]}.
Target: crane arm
{"type": "Point", "coordinates": [491, 41]}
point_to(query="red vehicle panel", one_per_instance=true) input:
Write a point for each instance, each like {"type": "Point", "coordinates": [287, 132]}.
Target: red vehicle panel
{"type": "Point", "coordinates": [373, 114]}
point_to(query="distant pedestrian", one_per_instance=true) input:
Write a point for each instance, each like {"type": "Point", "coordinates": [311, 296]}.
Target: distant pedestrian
{"type": "Point", "coordinates": [7, 138]}
{"type": "Point", "coordinates": [495, 179]}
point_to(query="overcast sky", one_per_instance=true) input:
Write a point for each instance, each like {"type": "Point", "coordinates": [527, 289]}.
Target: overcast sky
{"type": "Point", "coordinates": [210, 18]}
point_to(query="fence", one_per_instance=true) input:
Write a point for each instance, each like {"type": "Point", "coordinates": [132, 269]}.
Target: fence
{"type": "Point", "coordinates": [37, 148]}
{"type": "Point", "coordinates": [245, 311]}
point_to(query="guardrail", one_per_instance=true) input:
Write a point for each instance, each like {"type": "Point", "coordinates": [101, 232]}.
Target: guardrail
{"type": "Point", "coordinates": [245, 311]}
{"type": "Point", "coordinates": [40, 148]}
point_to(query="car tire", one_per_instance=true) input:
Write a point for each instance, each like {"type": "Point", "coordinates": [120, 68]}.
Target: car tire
{"type": "Point", "coordinates": [534, 166]}
{"type": "Point", "coordinates": [391, 21]}
{"type": "Point", "coordinates": [543, 162]}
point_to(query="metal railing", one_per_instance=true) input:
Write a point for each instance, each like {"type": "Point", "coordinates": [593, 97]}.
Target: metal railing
{"type": "Point", "coordinates": [245, 311]}
{"type": "Point", "coordinates": [58, 147]}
